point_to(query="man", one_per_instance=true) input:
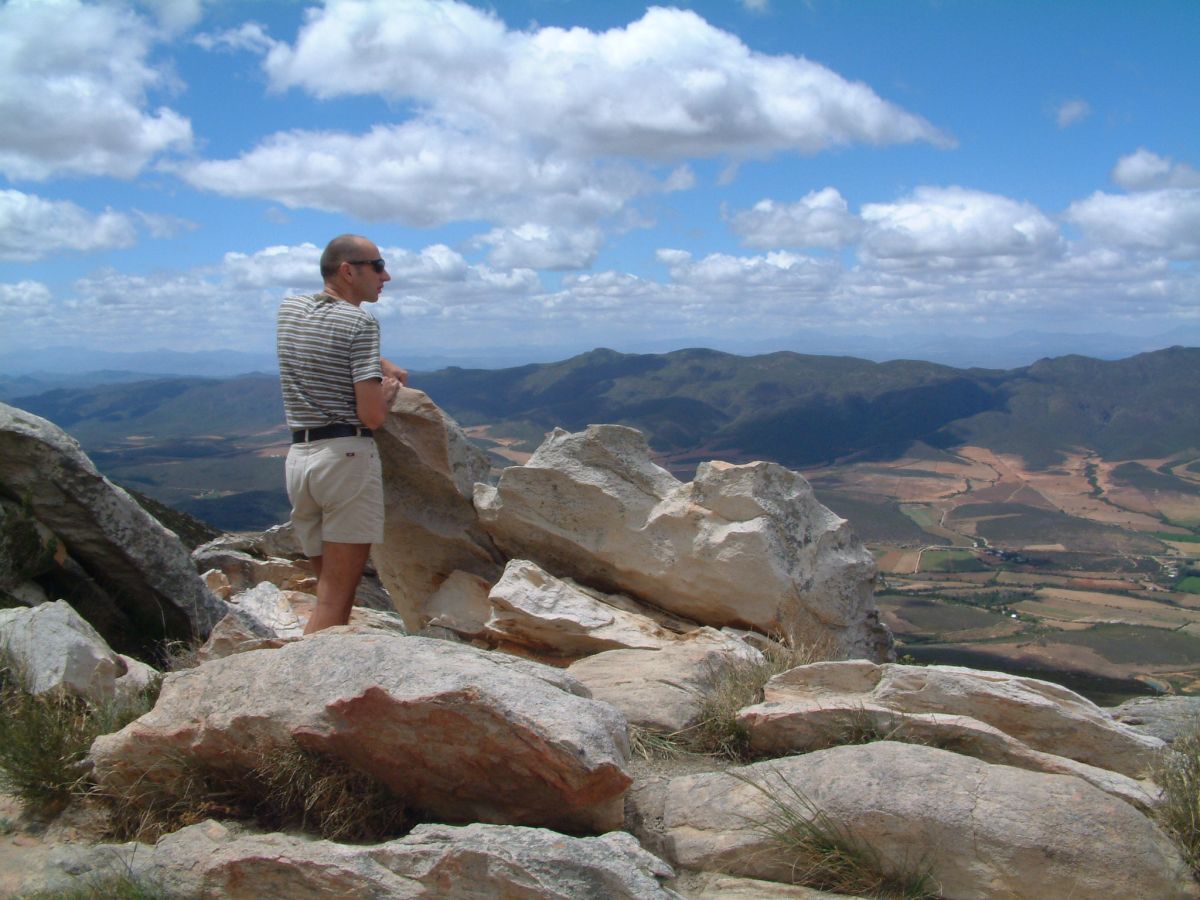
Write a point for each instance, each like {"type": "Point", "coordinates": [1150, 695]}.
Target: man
{"type": "Point", "coordinates": [336, 389]}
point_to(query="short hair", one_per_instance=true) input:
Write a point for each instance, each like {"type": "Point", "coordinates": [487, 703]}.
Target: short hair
{"type": "Point", "coordinates": [341, 248]}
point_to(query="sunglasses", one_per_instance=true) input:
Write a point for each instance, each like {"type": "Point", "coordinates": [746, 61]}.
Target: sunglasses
{"type": "Point", "coordinates": [377, 264]}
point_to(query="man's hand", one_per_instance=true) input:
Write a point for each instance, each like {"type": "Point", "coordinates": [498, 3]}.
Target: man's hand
{"type": "Point", "coordinates": [391, 370]}
{"type": "Point", "coordinates": [390, 387]}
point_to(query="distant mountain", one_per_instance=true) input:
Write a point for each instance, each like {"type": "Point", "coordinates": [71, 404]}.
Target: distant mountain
{"type": "Point", "coordinates": [811, 410]}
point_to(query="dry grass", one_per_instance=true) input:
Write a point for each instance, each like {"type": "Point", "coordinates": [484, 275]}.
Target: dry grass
{"type": "Point", "coordinates": [826, 855]}
{"type": "Point", "coordinates": [293, 789]}
{"type": "Point", "coordinates": [1178, 773]}
{"type": "Point", "coordinates": [738, 684]}
{"type": "Point", "coordinates": [45, 737]}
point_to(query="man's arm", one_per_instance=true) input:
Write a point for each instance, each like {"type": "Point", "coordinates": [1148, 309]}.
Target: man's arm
{"type": "Point", "coordinates": [391, 370]}
{"type": "Point", "coordinates": [372, 399]}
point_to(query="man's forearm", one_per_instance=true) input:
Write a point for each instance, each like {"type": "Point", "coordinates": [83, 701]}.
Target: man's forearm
{"type": "Point", "coordinates": [391, 370]}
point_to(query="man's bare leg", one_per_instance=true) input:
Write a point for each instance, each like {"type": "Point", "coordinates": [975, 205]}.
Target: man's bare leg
{"type": "Point", "coordinates": [339, 569]}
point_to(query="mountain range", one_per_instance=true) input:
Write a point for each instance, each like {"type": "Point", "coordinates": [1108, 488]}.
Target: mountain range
{"type": "Point", "coordinates": [204, 444]}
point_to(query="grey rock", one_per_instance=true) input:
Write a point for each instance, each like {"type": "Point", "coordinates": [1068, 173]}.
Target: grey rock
{"type": "Point", "coordinates": [143, 567]}
{"type": "Point", "coordinates": [1166, 718]}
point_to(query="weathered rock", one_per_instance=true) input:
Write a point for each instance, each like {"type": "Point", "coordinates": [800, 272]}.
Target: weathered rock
{"type": "Point", "coordinates": [532, 608]}
{"type": "Point", "coordinates": [715, 886]}
{"type": "Point", "coordinates": [27, 547]}
{"type": "Point", "coordinates": [780, 727]}
{"type": "Point", "coordinates": [740, 545]}
{"type": "Point", "coordinates": [460, 604]}
{"type": "Point", "coordinates": [216, 860]}
{"type": "Point", "coordinates": [1166, 718]}
{"type": "Point", "coordinates": [662, 689]}
{"type": "Point", "coordinates": [459, 733]}
{"type": "Point", "coordinates": [432, 530]}
{"type": "Point", "coordinates": [1044, 716]}
{"type": "Point", "coordinates": [51, 648]}
{"type": "Point", "coordinates": [144, 569]}
{"type": "Point", "coordinates": [983, 831]}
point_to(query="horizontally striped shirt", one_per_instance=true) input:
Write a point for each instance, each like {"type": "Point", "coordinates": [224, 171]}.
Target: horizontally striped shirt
{"type": "Point", "coordinates": [325, 346]}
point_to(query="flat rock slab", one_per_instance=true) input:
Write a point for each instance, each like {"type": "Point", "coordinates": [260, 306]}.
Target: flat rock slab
{"type": "Point", "coordinates": [1044, 716]}
{"type": "Point", "coordinates": [211, 859]}
{"type": "Point", "coordinates": [457, 733]}
{"type": "Point", "coordinates": [983, 831]}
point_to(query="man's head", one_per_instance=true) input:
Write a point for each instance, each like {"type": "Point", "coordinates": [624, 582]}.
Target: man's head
{"type": "Point", "coordinates": [353, 270]}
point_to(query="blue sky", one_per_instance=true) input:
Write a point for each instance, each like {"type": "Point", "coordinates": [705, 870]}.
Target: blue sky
{"type": "Point", "coordinates": [549, 176]}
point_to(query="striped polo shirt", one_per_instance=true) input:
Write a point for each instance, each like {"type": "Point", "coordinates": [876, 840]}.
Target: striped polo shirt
{"type": "Point", "coordinates": [325, 346]}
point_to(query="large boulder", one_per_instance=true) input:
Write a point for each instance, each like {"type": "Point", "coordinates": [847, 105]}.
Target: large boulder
{"type": "Point", "coordinates": [455, 732]}
{"type": "Point", "coordinates": [144, 569]}
{"type": "Point", "coordinates": [429, 471]}
{"type": "Point", "coordinates": [741, 545]}
{"type": "Point", "coordinates": [1167, 718]}
{"type": "Point", "coordinates": [52, 649]}
{"type": "Point", "coordinates": [212, 859]}
{"type": "Point", "coordinates": [805, 708]}
{"type": "Point", "coordinates": [982, 831]}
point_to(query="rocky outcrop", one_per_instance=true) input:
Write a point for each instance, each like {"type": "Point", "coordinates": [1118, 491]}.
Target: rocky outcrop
{"type": "Point", "coordinates": [50, 648]}
{"type": "Point", "coordinates": [663, 689]}
{"type": "Point", "coordinates": [215, 860]}
{"type": "Point", "coordinates": [455, 732]}
{"type": "Point", "coordinates": [807, 707]}
{"type": "Point", "coordinates": [149, 589]}
{"type": "Point", "coordinates": [982, 831]}
{"type": "Point", "coordinates": [432, 530]}
{"type": "Point", "coordinates": [1166, 718]}
{"type": "Point", "coordinates": [747, 546]}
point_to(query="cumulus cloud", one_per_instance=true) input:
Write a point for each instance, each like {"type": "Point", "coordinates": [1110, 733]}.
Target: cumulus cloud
{"type": "Point", "coordinates": [421, 174]}
{"type": "Point", "coordinates": [954, 226]}
{"type": "Point", "coordinates": [175, 15]}
{"type": "Point", "coordinates": [1072, 112]}
{"type": "Point", "coordinates": [1144, 170]}
{"type": "Point", "coordinates": [249, 36]}
{"type": "Point", "coordinates": [820, 219]}
{"type": "Point", "coordinates": [669, 85]}
{"type": "Point", "coordinates": [1163, 221]}
{"type": "Point", "coordinates": [33, 228]}
{"type": "Point", "coordinates": [74, 80]}
{"type": "Point", "coordinates": [536, 246]}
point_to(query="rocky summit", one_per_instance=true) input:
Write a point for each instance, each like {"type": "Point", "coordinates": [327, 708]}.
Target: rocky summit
{"type": "Point", "coordinates": [579, 677]}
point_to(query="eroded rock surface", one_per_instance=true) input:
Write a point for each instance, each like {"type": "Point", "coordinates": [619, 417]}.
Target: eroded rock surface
{"type": "Point", "coordinates": [429, 471]}
{"type": "Point", "coordinates": [143, 568]}
{"type": "Point", "coordinates": [741, 545]}
{"type": "Point", "coordinates": [456, 732]}
{"type": "Point", "coordinates": [983, 831]}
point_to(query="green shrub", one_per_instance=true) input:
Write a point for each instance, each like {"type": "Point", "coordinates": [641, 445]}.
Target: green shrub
{"type": "Point", "coordinates": [44, 738]}
{"type": "Point", "coordinates": [825, 854]}
{"type": "Point", "coordinates": [111, 887]}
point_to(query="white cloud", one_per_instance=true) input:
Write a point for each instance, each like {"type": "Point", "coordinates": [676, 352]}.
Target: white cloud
{"type": "Point", "coordinates": [756, 6]}
{"type": "Point", "coordinates": [536, 246]}
{"type": "Point", "coordinates": [1072, 112]}
{"type": "Point", "coordinates": [1144, 170]}
{"type": "Point", "coordinates": [164, 226]}
{"type": "Point", "coordinates": [73, 86]}
{"type": "Point", "coordinates": [666, 86]}
{"type": "Point", "coordinates": [33, 228]}
{"type": "Point", "coordinates": [819, 219]}
{"type": "Point", "coordinates": [1163, 221]}
{"type": "Point", "coordinates": [249, 36]}
{"type": "Point", "coordinates": [955, 227]}
{"type": "Point", "coordinates": [175, 15]}
{"type": "Point", "coordinates": [421, 174]}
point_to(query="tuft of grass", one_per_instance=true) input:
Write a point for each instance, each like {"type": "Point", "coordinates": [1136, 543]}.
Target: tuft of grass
{"type": "Point", "coordinates": [645, 743]}
{"type": "Point", "coordinates": [116, 886]}
{"type": "Point", "coordinates": [178, 655]}
{"type": "Point", "coordinates": [740, 684]}
{"type": "Point", "coordinates": [294, 789]}
{"type": "Point", "coordinates": [824, 854]}
{"type": "Point", "coordinates": [1177, 772]}
{"type": "Point", "coordinates": [44, 739]}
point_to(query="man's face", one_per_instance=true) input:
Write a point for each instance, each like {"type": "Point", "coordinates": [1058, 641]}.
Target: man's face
{"type": "Point", "coordinates": [365, 281]}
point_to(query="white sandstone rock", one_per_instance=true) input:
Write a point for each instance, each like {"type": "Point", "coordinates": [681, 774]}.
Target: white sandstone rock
{"type": "Point", "coordinates": [51, 648]}
{"type": "Point", "coordinates": [984, 831]}
{"type": "Point", "coordinates": [456, 732]}
{"type": "Point", "coordinates": [741, 545]}
{"type": "Point", "coordinates": [431, 528]}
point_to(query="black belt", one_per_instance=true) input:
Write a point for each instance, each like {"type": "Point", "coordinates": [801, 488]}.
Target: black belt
{"type": "Point", "coordinates": [325, 432]}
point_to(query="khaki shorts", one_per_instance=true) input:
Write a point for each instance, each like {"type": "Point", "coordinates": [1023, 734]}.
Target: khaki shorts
{"type": "Point", "coordinates": [336, 489]}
